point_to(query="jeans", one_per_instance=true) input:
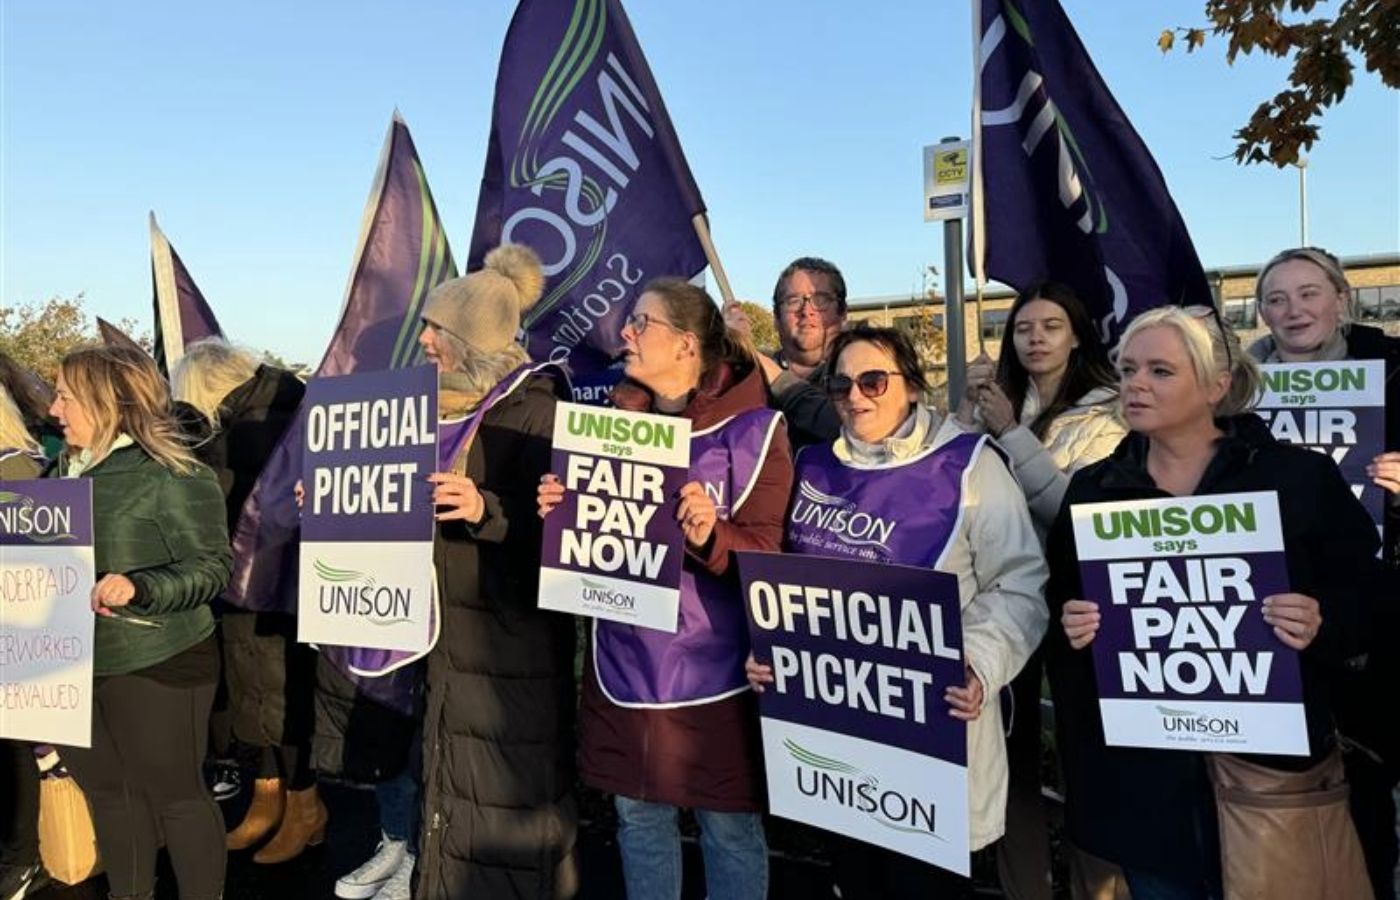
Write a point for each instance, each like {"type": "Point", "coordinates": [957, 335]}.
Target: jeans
{"type": "Point", "coordinates": [732, 845]}
{"type": "Point", "coordinates": [399, 808]}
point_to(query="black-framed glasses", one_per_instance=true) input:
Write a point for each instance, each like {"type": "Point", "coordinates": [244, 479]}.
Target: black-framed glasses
{"type": "Point", "coordinates": [638, 322]}
{"type": "Point", "coordinates": [872, 384]}
{"type": "Point", "coordinates": [821, 301]}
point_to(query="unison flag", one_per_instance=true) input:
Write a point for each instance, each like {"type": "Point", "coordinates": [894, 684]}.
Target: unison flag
{"type": "Point", "coordinates": [584, 167]}
{"type": "Point", "coordinates": [401, 256]}
{"type": "Point", "coordinates": [182, 314]}
{"type": "Point", "coordinates": [1063, 187]}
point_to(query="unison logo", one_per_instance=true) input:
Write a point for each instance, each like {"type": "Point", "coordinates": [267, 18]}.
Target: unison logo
{"type": "Point", "coordinates": [348, 593]}
{"type": "Point", "coordinates": [834, 781]}
{"type": "Point", "coordinates": [1185, 721]}
{"type": "Point", "coordinates": [600, 594]}
{"type": "Point", "coordinates": [19, 515]}
{"type": "Point", "coordinates": [840, 517]}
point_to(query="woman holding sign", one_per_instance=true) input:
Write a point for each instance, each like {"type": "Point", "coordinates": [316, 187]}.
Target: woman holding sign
{"type": "Point", "coordinates": [1304, 297]}
{"type": "Point", "coordinates": [667, 720]}
{"type": "Point", "coordinates": [162, 555]}
{"type": "Point", "coordinates": [499, 812]}
{"type": "Point", "coordinates": [957, 509]}
{"type": "Point", "coordinates": [1277, 825]}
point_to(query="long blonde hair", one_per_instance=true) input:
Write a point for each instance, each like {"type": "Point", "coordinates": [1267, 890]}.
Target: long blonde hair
{"type": "Point", "coordinates": [13, 434]}
{"type": "Point", "coordinates": [473, 373]}
{"type": "Point", "coordinates": [208, 371]}
{"type": "Point", "coordinates": [122, 392]}
{"type": "Point", "coordinates": [1213, 348]}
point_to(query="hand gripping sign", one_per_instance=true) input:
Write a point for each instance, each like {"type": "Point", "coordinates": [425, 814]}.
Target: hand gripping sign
{"type": "Point", "coordinates": [1184, 659]}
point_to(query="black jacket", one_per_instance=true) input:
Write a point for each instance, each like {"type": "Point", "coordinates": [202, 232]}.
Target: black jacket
{"type": "Point", "coordinates": [1367, 342]}
{"type": "Point", "coordinates": [500, 814]}
{"type": "Point", "coordinates": [1142, 808]}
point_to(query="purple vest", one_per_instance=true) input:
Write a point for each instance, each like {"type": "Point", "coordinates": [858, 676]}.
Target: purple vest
{"type": "Point", "coordinates": [905, 513]}
{"type": "Point", "coordinates": [381, 674]}
{"type": "Point", "coordinates": [704, 660]}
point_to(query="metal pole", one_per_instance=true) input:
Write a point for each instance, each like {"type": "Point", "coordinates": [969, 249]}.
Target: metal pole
{"type": "Point", "coordinates": [1303, 200]}
{"type": "Point", "coordinates": [953, 329]}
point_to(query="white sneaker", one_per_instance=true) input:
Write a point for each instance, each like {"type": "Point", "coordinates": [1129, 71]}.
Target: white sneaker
{"type": "Point", "coordinates": [400, 884]}
{"type": "Point", "coordinates": [366, 881]}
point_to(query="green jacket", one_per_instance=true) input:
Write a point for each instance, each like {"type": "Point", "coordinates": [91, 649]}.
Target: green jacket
{"type": "Point", "coordinates": [167, 534]}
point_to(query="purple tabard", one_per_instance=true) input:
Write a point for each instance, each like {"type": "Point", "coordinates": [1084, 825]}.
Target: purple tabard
{"type": "Point", "coordinates": [368, 667]}
{"type": "Point", "coordinates": [904, 513]}
{"type": "Point", "coordinates": [704, 660]}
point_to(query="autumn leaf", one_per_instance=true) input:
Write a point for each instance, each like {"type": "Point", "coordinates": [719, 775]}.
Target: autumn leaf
{"type": "Point", "coordinates": [1196, 37]}
{"type": "Point", "coordinates": [1164, 43]}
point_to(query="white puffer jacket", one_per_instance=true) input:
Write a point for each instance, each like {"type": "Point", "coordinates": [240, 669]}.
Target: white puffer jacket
{"type": "Point", "coordinates": [1001, 574]}
{"type": "Point", "coordinates": [1085, 433]}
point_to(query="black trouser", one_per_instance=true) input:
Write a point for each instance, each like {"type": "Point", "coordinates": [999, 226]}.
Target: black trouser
{"type": "Point", "coordinates": [19, 798]}
{"type": "Point", "coordinates": [1373, 811]}
{"type": "Point", "coordinates": [867, 872]}
{"type": "Point", "coordinates": [143, 778]}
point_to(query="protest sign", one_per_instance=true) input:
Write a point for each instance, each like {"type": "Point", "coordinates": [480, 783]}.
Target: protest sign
{"type": "Point", "coordinates": [1337, 408]}
{"type": "Point", "coordinates": [613, 548]}
{"type": "Point", "coordinates": [367, 525]}
{"type": "Point", "coordinates": [46, 618]}
{"type": "Point", "coordinates": [1183, 657]}
{"type": "Point", "coordinates": [857, 737]}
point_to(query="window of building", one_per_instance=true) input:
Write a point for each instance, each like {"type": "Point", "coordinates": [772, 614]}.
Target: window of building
{"type": "Point", "coordinates": [1377, 304]}
{"type": "Point", "coordinates": [1241, 313]}
{"type": "Point", "coordinates": [994, 324]}
{"type": "Point", "coordinates": [912, 324]}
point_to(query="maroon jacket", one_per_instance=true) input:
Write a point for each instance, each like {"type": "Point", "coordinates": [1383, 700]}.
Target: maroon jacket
{"type": "Point", "coordinates": [706, 756]}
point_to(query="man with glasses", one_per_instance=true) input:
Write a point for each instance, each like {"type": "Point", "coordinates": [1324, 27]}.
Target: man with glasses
{"type": "Point", "coordinates": [809, 309]}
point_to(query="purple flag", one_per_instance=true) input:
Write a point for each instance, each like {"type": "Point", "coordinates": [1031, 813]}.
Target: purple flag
{"type": "Point", "coordinates": [584, 167]}
{"type": "Point", "coordinates": [1063, 187]}
{"type": "Point", "coordinates": [113, 336]}
{"type": "Point", "coordinates": [182, 315]}
{"type": "Point", "coordinates": [402, 254]}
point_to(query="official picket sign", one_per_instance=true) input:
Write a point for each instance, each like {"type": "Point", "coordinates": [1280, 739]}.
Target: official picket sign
{"type": "Point", "coordinates": [1337, 408]}
{"type": "Point", "coordinates": [613, 549]}
{"type": "Point", "coordinates": [857, 738]}
{"type": "Point", "coordinates": [370, 443]}
{"type": "Point", "coordinates": [1184, 659]}
{"type": "Point", "coordinates": [46, 619]}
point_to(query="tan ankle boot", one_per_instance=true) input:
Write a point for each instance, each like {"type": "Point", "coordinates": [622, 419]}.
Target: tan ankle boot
{"type": "Point", "coordinates": [263, 816]}
{"type": "Point", "coordinates": [304, 825]}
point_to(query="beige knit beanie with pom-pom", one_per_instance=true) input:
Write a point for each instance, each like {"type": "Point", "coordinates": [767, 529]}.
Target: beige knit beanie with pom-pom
{"type": "Point", "coordinates": [483, 309]}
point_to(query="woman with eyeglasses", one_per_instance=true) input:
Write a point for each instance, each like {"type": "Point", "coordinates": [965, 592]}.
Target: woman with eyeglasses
{"type": "Point", "coordinates": [1282, 829]}
{"type": "Point", "coordinates": [667, 720]}
{"type": "Point", "coordinates": [1051, 401]}
{"type": "Point", "coordinates": [959, 511]}
{"type": "Point", "coordinates": [1305, 300]}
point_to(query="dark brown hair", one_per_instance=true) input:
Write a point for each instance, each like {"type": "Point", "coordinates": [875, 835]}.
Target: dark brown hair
{"type": "Point", "coordinates": [892, 341]}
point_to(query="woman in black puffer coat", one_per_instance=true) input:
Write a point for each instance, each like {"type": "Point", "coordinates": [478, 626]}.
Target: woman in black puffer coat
{"type": "Point", "coordinates": [270, 677]}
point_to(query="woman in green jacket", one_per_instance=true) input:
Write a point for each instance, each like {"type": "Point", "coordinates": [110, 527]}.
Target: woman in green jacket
{"type": "Point", "coordinates": [162, 554]}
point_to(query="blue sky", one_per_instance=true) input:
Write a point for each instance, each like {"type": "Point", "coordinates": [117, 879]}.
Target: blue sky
{"type": "Point", "coordinates": [253, 130]}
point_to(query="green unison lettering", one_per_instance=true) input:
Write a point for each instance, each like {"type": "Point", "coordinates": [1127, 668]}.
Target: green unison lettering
{"type": "Point", "coordinates": [1302, 381]}
{"type": "Point", "coordinates": [1175, 521]}
{"type": "Point", "coordinates": [615, 428]}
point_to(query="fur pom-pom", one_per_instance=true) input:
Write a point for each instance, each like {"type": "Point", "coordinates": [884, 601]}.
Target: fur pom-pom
{"type": "Point", "coordinates": [521, 266]}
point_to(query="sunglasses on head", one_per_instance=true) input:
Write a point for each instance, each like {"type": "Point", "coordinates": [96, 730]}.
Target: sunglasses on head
{"type": "Point", "coordinates": [872, 384]}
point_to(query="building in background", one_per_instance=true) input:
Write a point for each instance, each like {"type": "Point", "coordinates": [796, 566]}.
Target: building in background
{"type": "Point", "coordinates": [1375, 281]}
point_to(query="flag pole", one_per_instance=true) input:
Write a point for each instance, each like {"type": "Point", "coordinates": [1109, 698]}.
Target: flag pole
{"type": "Point", "coordinates": [974, 224]}
{"type": "Point", "coordinates": [702, 231]}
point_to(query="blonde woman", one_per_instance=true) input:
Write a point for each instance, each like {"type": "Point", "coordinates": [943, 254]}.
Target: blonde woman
{"type": "Point", "coordinates": [162, 555]}
{"type": "Point", "coordinates": [1187, 390]}
{"type": "Point", "coordinates": [20, 453]}
{"type": "Point", "coordinates": [270, 677]}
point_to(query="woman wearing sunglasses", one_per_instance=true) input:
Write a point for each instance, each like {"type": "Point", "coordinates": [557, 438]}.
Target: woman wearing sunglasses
{"type": "Point", "coordinates": [667, 720]}
{"type": "Point", "coordinates": [895, 459]}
